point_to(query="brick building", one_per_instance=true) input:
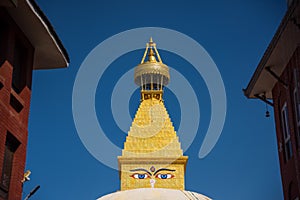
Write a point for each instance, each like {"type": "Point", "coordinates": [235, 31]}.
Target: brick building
{"type": "Point", "coordinates": [276, 81]}
{"type": "Point", "coordinates": [27, 42]}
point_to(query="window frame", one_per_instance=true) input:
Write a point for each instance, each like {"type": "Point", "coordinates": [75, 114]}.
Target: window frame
{"type": "Point", "coordinates": [296, 101]}
{"type": "Point", "coordinates": [11, 146]}
{"type": "Point", "coordinates": [288, 151]}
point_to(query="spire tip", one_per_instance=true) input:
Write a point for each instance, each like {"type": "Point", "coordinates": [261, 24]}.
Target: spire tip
{"type": "Point", "coordinates": [151, 40]}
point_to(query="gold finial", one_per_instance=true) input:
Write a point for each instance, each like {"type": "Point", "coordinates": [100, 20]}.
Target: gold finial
{"type": "Point", "coordinates": [151, 56]}
{"type": "Point", "coordinates": [152, 70]}
{"type": "Point", "coordinates": [151, 40]}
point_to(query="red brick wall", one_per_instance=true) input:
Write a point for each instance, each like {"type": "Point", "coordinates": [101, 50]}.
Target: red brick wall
{"type": "Point", "coordinates": [16, 124]}
{"type": "Point", "coordinates": [290, 170]}
{"type": "Point", "coordinates": [10, 120]}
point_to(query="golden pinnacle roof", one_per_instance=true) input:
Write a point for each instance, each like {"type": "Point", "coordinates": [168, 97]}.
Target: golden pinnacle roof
{"type": "Point", "coordinates": [152, 69]}
{"type": "Point", "coordinates": [152, 133]}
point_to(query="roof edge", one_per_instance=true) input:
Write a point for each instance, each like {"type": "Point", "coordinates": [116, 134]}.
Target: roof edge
{"type": "Point", "coordinates": [50, 28]}
{"type": "Point", "coordinates": [270, 49]}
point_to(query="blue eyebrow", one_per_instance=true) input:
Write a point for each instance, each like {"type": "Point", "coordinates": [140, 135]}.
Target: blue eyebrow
{"type": "Point", "coordinates": [164, 169]}
{"type": "Point", "coordinates": [141, 169]}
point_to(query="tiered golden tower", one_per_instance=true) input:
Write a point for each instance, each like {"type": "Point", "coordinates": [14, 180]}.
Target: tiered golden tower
{"type": "Point", "coordinates": [152, 156]}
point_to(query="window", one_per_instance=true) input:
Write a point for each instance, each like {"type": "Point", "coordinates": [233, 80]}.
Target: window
{"type": "Point", "coordinates": [3, 42]}
{"type": "Point", "coordinates": [16, 104]}
{"type": "Point", "coordinates": [297, 101]}
{"type": "Point", "coordinates": [11, 146]}
{"type": "Point", "coordinates": [19, 67]}
{"type": "Point", "coordinates": [288, 152]}
{"type": "Point", "coordinates": [17, 50]}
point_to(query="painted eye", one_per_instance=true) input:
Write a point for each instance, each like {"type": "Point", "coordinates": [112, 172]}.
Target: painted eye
{"type": "Point", "coordinates": [164, 176]}
{"type": "Point", "coordinates": [140, 176]}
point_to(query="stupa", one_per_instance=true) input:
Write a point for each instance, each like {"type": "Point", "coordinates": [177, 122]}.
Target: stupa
{"type": "Point", "coordinates": [152, 164]}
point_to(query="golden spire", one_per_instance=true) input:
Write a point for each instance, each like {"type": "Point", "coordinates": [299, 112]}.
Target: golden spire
{"type": "Point", "coordinates": [151, 40]}
{"type": "Point", "coordinates": [153, 74]}
{"type": "Point", "coordinates": [152, 154]}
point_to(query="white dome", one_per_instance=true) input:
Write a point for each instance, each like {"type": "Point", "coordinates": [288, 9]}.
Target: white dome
{"type": "Point", "coordinates": [154, 194]}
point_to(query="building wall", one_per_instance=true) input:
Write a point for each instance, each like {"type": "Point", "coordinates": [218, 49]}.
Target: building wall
{"type": "Point", "coordinates": [284, 95]}
{"type": "Point", "coordinates": [14, 102]}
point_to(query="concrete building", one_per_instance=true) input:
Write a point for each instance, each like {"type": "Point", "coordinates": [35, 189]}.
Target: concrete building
{"type": "Point", "coordinates": [276, 81]}
{"type": "Point", "coordinates": [28, 42]}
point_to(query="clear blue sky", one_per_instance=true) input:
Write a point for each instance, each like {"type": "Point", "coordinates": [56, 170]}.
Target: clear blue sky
{"type": "Point", "coordinates": [243, 165]}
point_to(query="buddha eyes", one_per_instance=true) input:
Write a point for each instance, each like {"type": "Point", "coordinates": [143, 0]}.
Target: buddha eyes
{"type": "Point", "coordinates": [140, 176]}
{"type": "Point", "coordinates": [145, 175]}
{"type": "Point", "coordinates": [164, 176]}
